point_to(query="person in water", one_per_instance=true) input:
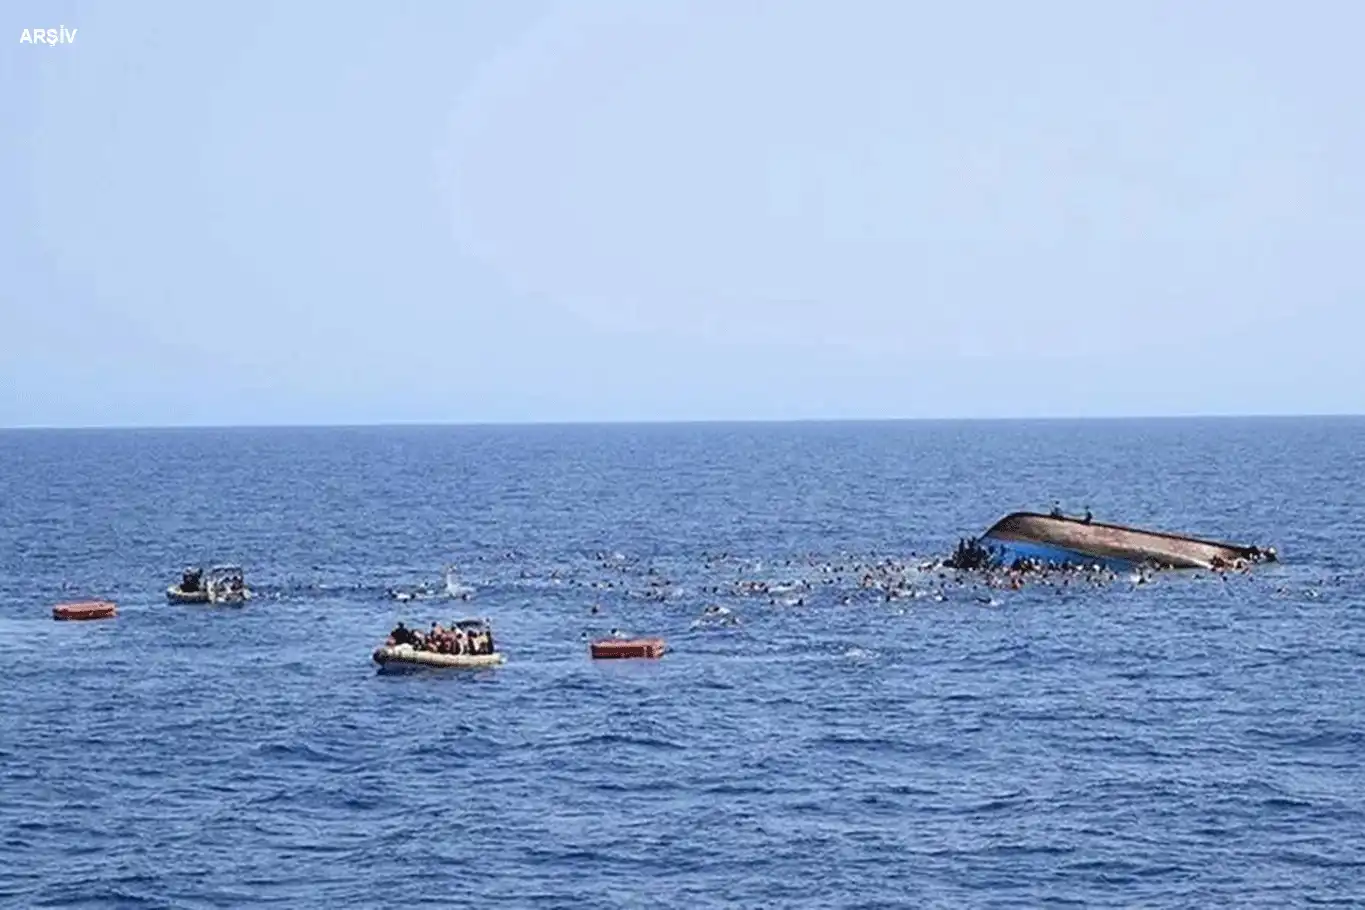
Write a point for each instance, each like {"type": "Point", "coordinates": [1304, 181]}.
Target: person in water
{"type": "Point", "coordinates": [1056, 510]}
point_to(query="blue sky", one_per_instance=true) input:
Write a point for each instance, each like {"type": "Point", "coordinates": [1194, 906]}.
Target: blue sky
{"type": "Point", "coordinates": [609, 210]}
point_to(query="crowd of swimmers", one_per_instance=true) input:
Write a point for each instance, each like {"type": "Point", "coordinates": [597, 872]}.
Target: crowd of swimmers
{"type": "Point", "coordinates": [1243, 563]}
{"type": "Point", "coordinates": [974, 569]}
{"type": "Point", "coordinates": [970, 554]}
{"type": "Point", "coordinates": [441, 640]}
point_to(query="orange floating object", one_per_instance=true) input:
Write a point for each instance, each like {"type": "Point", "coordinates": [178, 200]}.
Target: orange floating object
{"type": "Point", "coordinates": [92, 609]}
{"type": "Point", "coordinates": [608, 648]}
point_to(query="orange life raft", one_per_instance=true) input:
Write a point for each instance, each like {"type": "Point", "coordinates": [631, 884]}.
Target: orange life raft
{"type": "Point", "coordinates": [607, 648]}
{"type": "Point", "coordinates": [93, 609]}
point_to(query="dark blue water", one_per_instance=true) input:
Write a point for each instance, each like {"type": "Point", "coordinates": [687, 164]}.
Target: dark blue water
{"type": "Point", "coordinates": [1195, 742]}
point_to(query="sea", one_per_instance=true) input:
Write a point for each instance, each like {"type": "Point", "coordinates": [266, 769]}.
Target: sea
{"type": "Point", "coordinates": [806, 741]}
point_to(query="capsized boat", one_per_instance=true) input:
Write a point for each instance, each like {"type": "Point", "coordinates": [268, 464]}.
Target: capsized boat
{"type": "Point", "coordinates": [1061, 540]}
{"type": "Point", "coordinates": [467, 644]}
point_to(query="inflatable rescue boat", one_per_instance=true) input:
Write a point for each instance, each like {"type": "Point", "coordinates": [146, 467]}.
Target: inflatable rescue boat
{"type": "Point", "coordinates": [399, 657]}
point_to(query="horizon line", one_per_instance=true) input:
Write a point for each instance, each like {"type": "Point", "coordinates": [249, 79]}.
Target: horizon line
{"type": "Point", "coordinates": [624, 422]}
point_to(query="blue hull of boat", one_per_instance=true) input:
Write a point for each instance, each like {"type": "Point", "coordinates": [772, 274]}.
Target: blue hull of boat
{"type": "Point", "coordinates": [1010, 550]}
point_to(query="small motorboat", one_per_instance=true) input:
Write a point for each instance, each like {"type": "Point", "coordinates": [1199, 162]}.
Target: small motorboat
{"type": "Point", "coordinates": [225, 584]}
{"type": "Point", "coordinates": [191, 589]}
{"type": "Point", "coordinates": [466, 645]}
{"type": "Point", "coordinates": [624, 648]}
{"type": "Point", "coordinates": [91, 609]}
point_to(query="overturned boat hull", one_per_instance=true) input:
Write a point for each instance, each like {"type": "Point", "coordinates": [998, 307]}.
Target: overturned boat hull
{"type": "Point", "coordinates": [406, 657]}
{"type": "Point", "coordinates": [1072, 541]}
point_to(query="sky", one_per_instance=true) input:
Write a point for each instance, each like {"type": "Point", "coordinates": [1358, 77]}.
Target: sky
{"type": "Point", "coordinates": [446, 211]}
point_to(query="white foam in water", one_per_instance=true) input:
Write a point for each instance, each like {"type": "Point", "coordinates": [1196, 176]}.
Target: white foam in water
{"type": "Point", "coordinates": [453, 587]}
